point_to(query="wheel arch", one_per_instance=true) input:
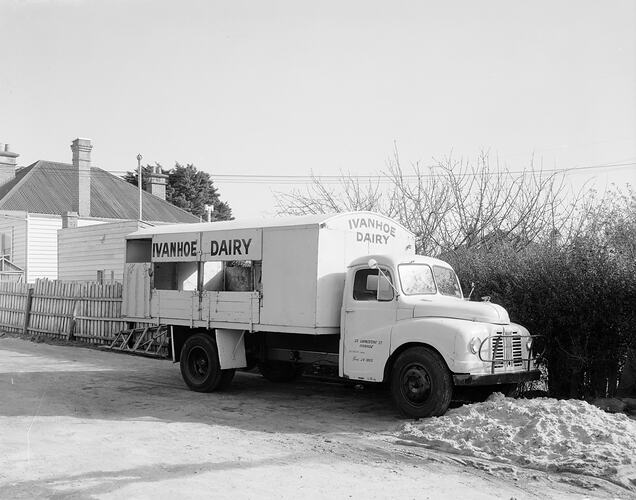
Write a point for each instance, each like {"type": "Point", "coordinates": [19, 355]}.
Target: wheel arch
{"type": "Point", "coordinates": [388, 367]}
{"type": "Point", "coordinates": [179, 336]}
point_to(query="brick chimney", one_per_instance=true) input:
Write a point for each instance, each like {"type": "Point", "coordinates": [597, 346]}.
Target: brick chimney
{"type": "Point", "coordinates": [81, 149]}
{"type": "Point", "coordinates": [69, 219]}
{"type": "Point", "coordinates": [156, 183]}
{"type": "Point", "coordinates": [7, 163]}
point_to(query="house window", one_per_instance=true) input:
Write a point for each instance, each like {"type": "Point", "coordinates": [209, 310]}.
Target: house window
{"type": "Point", "coordinates": [6, 245]}
{"type": "Point", "coordinates": [104, 275]}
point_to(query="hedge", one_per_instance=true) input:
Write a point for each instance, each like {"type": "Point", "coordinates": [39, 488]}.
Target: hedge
{"type": "Point", "coordinates": [581, 297]}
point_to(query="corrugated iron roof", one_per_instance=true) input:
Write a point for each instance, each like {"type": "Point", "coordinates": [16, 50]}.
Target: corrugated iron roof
{"type": "Point", "coordinates": [47, 187]}
{"type": "Point", "coordinates": [19, 174]}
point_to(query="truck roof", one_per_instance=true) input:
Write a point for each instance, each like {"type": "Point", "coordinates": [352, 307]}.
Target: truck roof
{"type": "Point", "coordinates": [393, 260]}
{"type": "Point", "coordinates": [272, 222]}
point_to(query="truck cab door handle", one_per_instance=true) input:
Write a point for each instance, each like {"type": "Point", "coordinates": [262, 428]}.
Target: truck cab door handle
{"type": "Point", "coordinates": [349, 310]}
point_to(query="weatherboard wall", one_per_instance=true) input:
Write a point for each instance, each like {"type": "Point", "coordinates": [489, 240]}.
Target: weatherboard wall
{"type": "Point", "coordinates": [15, 223]}
{"type": "Point", "coordinates": [84, 251]}
{"type": "Point", "coordinates": [42, 247]}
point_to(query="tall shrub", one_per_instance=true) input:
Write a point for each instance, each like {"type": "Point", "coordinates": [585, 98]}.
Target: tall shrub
{"type": "Point", "coordinates": [581, 297]}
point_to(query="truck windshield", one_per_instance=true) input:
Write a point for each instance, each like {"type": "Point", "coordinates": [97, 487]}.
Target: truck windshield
{"type": "Point", "coordinates": [416, 279]}
{"type": "Point", "coordinates": [420, 279]}
{"type": "Point", "coordinates": [447, 281]}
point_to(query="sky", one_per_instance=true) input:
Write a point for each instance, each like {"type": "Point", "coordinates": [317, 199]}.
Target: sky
{"type": "Point", "coordinates": [286, 88]}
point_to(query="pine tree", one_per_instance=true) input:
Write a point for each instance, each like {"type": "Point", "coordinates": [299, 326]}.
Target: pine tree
{"type": "Point", "coordinates": [189, 189]}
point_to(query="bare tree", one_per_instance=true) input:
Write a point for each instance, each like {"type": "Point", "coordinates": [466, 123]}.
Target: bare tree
{"type": "Point", "coordinates": [451, 204]}
{"type": "Point", "coordinates": [323, 197]}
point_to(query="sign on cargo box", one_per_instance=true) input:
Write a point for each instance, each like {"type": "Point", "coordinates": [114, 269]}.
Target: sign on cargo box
{"type": "Point", "coordinates": [178, 247]}
{"type": "Point", "coordinates": [372, 229]}
{"type": "Point", "coordinates": [231, 245]}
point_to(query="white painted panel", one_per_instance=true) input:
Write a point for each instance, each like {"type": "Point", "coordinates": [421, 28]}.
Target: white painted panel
{"type": "Point", "coordinates": [331, 276]}
{"type": "Point", "coordinates": [136, 291]}
{"type": "Point", "coordinates": [178, 247]}
{"type": "Point", "coordinates": [343, 239]}
{"type": "Point", "coordinates": [42, 246]}
{"type": "Point", "coordinates": [92, 222]}
{"type": "Point", "coordinates": [377, 233]}
{"type": "Point", "coordinates": [213, 276]}
{"type": "Point", "coordinates": [174, 304]}
{"type": "Point", "coordinates": [289, 276]}
{"type": "Point", "coordinates": [231, 346]}
{"type": "Point", "coordinates": [245, 244]}
{"type": "Point", "coordinates": [187, 276]}
{"type": "Point", "coordinates": [230, 307]}
{"type": "Point", "coordinates": [83, 251]}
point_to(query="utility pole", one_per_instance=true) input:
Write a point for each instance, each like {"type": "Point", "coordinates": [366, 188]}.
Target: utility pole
{"type": "Point", "coordinates": [139, 157]}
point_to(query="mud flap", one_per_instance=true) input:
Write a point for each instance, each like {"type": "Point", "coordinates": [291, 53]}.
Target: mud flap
{"type": "Point", "coordinates": [231, 347]}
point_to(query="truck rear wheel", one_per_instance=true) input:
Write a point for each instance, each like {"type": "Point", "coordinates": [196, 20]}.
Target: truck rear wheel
{"type": "Point", "coordinates": [200, 366]}
{"type": "Point", "coordinates": [279, 371]}
{"type": "Point", "coordinates": [421, 384]}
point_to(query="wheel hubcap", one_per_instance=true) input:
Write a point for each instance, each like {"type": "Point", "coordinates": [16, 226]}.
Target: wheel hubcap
{"type": "Point", "coordinates": [198, 363]}
{"type": "Point", "coordinates": [416, 384]}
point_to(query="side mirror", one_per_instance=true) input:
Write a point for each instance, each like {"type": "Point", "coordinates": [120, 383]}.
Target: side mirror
{"type": "Point", "coordinates": [385, 289]}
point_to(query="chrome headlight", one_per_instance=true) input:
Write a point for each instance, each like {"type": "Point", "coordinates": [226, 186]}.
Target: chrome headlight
{"type": "Point", "coordinates": [474, 345]}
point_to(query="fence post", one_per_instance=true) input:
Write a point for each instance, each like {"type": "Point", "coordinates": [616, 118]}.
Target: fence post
{"type": "Point", "coordinates": [27, 310]}
{"type": "Point", "coordinates": [73, 322]}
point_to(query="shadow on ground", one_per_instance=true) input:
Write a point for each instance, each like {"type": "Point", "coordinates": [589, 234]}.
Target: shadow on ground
{"type": "Point", "coordinates": [86, 383]}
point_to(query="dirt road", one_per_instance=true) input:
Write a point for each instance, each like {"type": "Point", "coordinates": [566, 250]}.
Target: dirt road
{"type": "Point", "coordinates": [82, 423]}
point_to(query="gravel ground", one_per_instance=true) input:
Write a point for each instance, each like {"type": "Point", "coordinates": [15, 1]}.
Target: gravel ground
{"type": "Point", "coordinates": [83, 423]}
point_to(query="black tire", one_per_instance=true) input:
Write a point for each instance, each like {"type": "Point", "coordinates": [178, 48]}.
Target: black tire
{"type": "Point", "coordinates": [421, 384]}
{"type": "Point", "coordinates": [200, 366]}
{"type": "Point", "coordinates": [280, 371]}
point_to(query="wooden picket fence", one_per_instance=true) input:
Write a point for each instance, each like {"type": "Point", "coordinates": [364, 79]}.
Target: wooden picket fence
{"type": "Point", "coordinates": [86, 311]}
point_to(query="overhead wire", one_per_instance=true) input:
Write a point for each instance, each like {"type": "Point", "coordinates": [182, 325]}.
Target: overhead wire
{"type": "Point", "coordinates": [382, 178]}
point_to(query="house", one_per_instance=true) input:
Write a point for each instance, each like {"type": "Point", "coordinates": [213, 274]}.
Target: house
{"type": "Point", "coordinates": [38, 200]}
{"type": "Point", "coordinates": [95, 252]}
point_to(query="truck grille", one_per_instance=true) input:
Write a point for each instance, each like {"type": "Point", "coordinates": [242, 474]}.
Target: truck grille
{"type": "Point", "coordinates": [498, 351]}
{"type": "Point", "coordinates": [506, 350]}
{"type": "Point", "coordinates": [517, 356]}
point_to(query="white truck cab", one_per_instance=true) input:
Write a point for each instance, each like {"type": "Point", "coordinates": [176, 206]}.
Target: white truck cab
{"type": "Point", "coordinates": [337, 294]}
{"type": "Point", "coordinates": [405, 321]}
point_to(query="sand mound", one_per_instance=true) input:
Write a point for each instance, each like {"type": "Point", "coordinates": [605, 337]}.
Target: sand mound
{"type": "Point", "coordinates": [546, 434]}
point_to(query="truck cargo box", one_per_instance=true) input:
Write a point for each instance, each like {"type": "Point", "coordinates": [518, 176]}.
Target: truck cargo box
{"type": "Point", "coordinates": [280, 275]}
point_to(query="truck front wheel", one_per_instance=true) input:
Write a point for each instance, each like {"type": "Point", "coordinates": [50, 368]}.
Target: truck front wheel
{"type": "Point", "coordinates": [421, 384]}
{"type": "Point", "coordinates": [200, 366]}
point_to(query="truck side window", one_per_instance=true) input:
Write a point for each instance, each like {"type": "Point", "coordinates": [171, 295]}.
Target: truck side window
{"type": "Point", "coordinates": [365, 284]}
{"type": "Point", "coordinates": [175, 275]}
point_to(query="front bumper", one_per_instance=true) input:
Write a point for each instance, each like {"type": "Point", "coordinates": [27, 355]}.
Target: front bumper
{"type": "Point", "coordinates": [467, 379]}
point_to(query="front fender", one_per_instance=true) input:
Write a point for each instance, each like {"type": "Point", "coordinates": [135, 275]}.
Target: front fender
{"type": "Point", "coordinates": [448, 336]}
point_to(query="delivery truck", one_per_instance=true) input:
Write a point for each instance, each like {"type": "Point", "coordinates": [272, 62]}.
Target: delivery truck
{"type": "Point", "coordinates": [342, 295]}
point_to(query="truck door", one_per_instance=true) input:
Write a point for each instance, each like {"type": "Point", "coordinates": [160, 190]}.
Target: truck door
{"type": "Point", "coordinates": [136, 291]}
{"type": "Point", "coordinates": [369, 313]}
